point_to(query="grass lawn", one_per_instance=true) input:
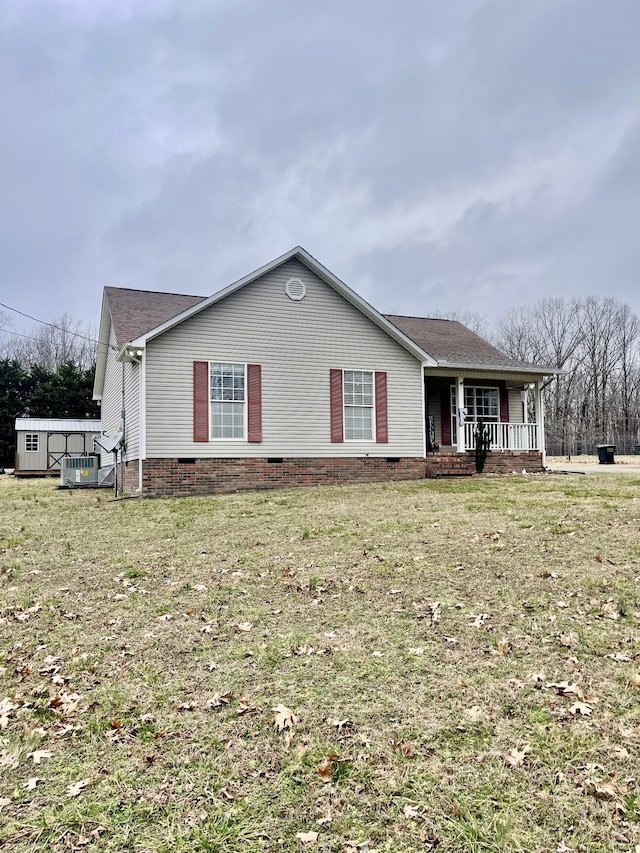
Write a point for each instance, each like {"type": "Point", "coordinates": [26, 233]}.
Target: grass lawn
{"type": "Point", "coordinates": [435, 665]}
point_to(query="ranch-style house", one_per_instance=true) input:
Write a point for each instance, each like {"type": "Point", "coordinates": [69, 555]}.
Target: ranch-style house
{"type": "Point", "coordinates": [288, 377]}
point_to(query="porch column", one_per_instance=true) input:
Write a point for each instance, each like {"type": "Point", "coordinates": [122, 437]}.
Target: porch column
{"type": "Point", "coordinates": [459, 413]}
{"type": "Point", "coordinates": [540, 422]}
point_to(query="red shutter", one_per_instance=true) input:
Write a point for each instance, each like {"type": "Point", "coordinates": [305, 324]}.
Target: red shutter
{"type": "Point", "coordinates": [445, 411]}
{"type": "Point", "coordinates": [504, 404]}
{"type": "Point", "coordinates": [335, 386]}
{"type": "Point", "coordinates": [382, 432]}
{"type": "Point", "coordinates": [201, 401]}
{"type": "Point", "coordinates": [254, 402]}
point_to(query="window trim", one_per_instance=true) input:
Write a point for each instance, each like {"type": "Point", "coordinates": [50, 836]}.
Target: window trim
{"type": "Point", "coordinates": [29, 439]}
{"type": "Point", "coordinates": [474, 419]}
{"type": "Point", "coordinates": [245, 405]}
{"type": "Point", "coordinates": [372, 440]}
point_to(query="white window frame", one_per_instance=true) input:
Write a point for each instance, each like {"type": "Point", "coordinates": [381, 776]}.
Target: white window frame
{"type": "Point", "coordinates": [372, 408]}
{"type": "Point", "coordinates": [213, 437]}
{"type": "Point", "coordinates": [31, 438]}
{"type": "Point", "coordinates": [471, 416]}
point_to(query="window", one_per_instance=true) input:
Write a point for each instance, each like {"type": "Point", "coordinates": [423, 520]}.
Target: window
{"type": "Point", "coordinates": [480, 402]}
{"type": "Point", "coordinates": [31, 442]}
{"type": "Point", "coordinates": [227, 389]}
{"type": "Point", "coordinates": [358, 405]}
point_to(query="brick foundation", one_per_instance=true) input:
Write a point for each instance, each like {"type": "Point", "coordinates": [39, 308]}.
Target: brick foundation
{"type": "Point", "coordinates": [163, 477]}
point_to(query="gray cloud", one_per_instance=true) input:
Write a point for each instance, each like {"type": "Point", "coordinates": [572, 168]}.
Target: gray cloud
{"type": "Point", "coordinates": [476, 154]}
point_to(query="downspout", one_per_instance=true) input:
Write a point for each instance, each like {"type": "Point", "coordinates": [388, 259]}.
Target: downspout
{"type": "Point", "coordinates": [424, 410]}
{"type": "Point", "coordinates": [124, 439]}
{"type": "Point", "coordinates": [142, 419]}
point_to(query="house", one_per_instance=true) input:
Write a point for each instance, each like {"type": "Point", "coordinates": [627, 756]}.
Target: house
{"type": "Point", "coordinates": [42, 442]}
{"type": "Point", "coordinates": [288, 377]}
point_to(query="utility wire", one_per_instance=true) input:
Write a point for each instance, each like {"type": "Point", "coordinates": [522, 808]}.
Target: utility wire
{"type": "Point", "coordinates": [53, 326]}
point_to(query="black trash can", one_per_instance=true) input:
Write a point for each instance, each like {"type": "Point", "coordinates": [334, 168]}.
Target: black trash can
{"type": "Point", "coordinates": [606, 453]}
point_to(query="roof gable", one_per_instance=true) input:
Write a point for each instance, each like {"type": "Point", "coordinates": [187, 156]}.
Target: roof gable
{"type": "Point", "coordinates": [323, 273]}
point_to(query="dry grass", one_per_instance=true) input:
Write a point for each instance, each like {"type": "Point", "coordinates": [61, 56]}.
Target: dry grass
{"type": "Point", "coordinates": [412, 629]}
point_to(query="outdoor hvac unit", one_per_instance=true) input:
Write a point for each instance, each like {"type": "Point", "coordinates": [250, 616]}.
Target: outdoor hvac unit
{"type": "Point", "coordinates": [79, 471]}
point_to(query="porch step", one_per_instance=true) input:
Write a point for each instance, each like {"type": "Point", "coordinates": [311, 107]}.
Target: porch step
{"type": "Point", "coordinates": [450, 465]}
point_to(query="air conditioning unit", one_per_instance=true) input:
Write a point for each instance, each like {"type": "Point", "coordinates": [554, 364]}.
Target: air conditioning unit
{"type": "Point", "coordinates": [107, 476]}
{"type": "Point", "coordinates": [79, 471]}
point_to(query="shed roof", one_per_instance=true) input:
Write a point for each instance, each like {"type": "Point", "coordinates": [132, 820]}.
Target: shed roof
{"type": "Point", "coordinates": [454, 345]}
{"type": "Point", "coordinates": [58, 425]}
{"type": "Point", "coordinates": [135, 312]}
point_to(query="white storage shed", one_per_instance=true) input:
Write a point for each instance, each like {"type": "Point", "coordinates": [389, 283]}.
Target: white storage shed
{"type": "Point", "coordinates": [43, 442]}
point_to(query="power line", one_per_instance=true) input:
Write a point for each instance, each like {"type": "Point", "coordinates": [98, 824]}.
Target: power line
{"type": "Point", "coordinates": [53, 326]}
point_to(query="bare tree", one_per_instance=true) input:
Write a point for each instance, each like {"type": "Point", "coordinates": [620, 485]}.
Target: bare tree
{"type": "Point", "coordinates": [53, 344]}
{"type": "Point", "coordinates": [476, 322]}
{"type": "Point", "coordinates": [596, 343]}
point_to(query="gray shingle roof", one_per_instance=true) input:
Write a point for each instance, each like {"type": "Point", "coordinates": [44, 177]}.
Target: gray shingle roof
{"type": "Point", "coordinates": [134, 312]}
{"type": "Point", "coordinates": [451, 343]}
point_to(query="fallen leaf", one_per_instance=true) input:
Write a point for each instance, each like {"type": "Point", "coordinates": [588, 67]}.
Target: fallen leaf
{"type": "Point", "coordinates": [634, 681]}
{"type": "Point", "coordinates": [39, 754]}
{"type": "Point", "coordinates": [342, 725]}
{"type": "Point", "coordinates": [284, 718]}
{"type": "Point", "coordinates": [31, 783]}
{"type": "Point", "coordinates": [77, 787]}
{"type": "Point", "coordinates": [580, 708]}
{"type": "Point", "coordinates": [565, 689]}
{"type": "Point", "coordinates": [243, 627]}
{"type": "Point", "coordinates": [620, 838]}
{"type": "Point", "coordinates": [307, 837]}
{"type": "Point", "coordinates": [219, 699]}
{"type": "Point", "coordinates": [411, 812]}
{"type": "Point", "coordinates": [327, 767]}
{"type": "Point", "coordinates": [602, 790]}
{"type": "Point", "coordinates": [515, 757]}
{"type": "Point", "coordinates": [404, 748]}
{"type": "Point", "coordinates": [505, 646]}
{"type": "Point", "coordinates": [620, 752]}
{"type": "Point", "coordinates": [4, 801]}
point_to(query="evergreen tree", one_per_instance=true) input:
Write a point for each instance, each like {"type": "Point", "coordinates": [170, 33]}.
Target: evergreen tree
{"type": "Point", "coordinates": [14, 388]}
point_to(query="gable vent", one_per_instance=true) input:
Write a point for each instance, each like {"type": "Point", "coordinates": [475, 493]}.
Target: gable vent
{"type": "Point", "coordinates": [295, 289]}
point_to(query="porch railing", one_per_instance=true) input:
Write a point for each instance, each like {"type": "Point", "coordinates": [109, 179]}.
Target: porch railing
{"type": "Point", "coordinates": [505, 436]}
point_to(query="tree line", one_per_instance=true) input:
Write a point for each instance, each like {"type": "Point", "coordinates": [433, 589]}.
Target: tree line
{"type": "Point", "coordinates": [47, 373]}
{"type": "Point", "coordinates": [595, 341]}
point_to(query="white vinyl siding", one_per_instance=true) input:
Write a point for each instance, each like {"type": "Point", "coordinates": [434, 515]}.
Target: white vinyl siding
{"type": "Point", "coordinates": [112, 402]}
{"type": "Point", "coordinates": [296, 343]}
{"type": "Point", "coordinates": [516, 409]}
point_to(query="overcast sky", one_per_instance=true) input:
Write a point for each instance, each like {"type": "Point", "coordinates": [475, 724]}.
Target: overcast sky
{"type": "Point", "coordinates": [434, 154]}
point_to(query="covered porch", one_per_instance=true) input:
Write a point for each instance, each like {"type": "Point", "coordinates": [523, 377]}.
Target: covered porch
{"type": "Point", "coordinates": [510, 407]}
